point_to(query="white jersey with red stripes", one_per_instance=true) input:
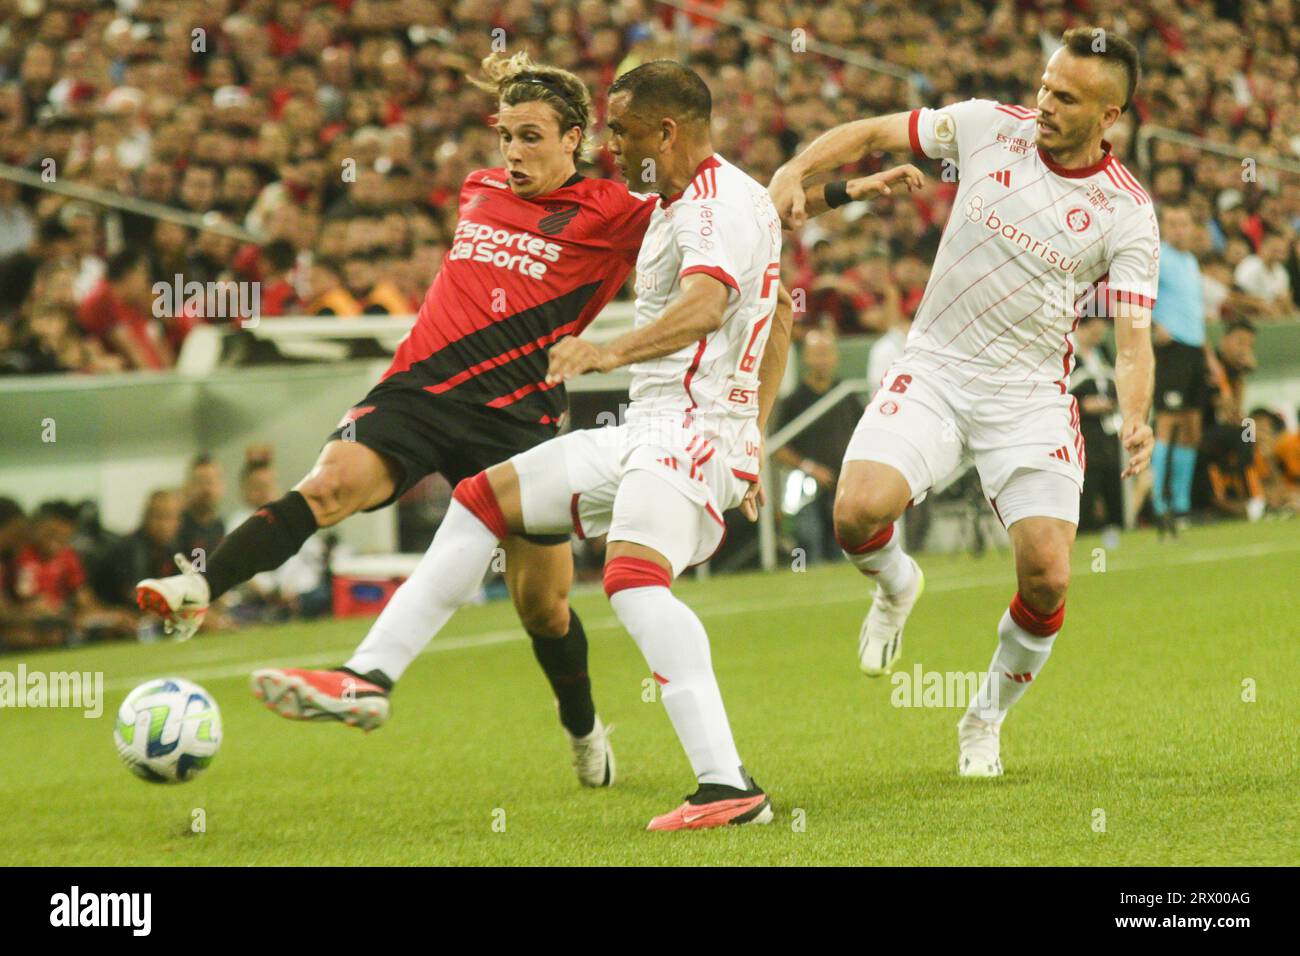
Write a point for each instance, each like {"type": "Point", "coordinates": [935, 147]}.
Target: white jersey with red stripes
{"type": "Point", "coordinates": [723, 224]}
{"type": "Point", "coordinates": [1028, 247]}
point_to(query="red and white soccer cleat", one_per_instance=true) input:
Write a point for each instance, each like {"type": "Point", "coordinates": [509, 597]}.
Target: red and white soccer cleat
{"type": "Point", "coordinates": [716, 805]}
{"type": "Point", "coordinates": [181, 600]}
{"type": "Point", "coordinates": [353, 699]}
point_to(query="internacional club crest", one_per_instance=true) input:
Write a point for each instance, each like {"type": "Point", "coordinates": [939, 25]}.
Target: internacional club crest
{"type": "Point", "coordinates": [1078, 220]}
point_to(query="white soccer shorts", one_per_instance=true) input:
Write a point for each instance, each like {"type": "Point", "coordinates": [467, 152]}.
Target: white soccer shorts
{"type": "Point", "coordinates": [662, 486]}
{"type": "Point", "coordinates": [930, 429]}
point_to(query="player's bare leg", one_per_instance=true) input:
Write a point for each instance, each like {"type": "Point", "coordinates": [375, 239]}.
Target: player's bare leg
{"type": "Point", "coordinates": [485, 511]}
{"type": "Point", "coordinates": [447, 577]}
{"type": "Point", "coordinates": [346, 478]}
{"type": "Point", "coordinates": [870, 497]}
{"type": "Point", "coordinates": [539, 577]}
{"type": "Point", "coordinates": [675, 645]}
{"type": "Point", "coordinates": [1026, 634]}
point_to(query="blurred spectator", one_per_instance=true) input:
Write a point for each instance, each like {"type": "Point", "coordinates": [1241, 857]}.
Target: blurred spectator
{"type": "Point", "coordinates": [144, 553]}
{"type": "Point", "coordinates": [329, 296]}
{"type": "Point", "coordinates": [14, 531]}
{"type": "Point", "coordinates": [1234, 359]}
{"type": "Point", "coordinates": [1234, 478]}
{"type": "Point", "coordinates": [1264, 280]}
{"type": "Point", "coordinates": [17, 224]}
{"type": "Point", "coordinates": [886, 349]}
{"type": "Point", "coordinates": [1229, 485]}
{"type": "Point", "coordinates": [816, 452]}
{"type": "Point", "coordinates": [299, 587]}
{"type": "Point", "coordinates": [1277, 460]}
{"type": "Point", "coordinates": [201, 526]}
{"type": "Point", "coordinates": [279, 294]}
{"type": "Point", "coordinates": [50, 342]}
{"type": "Point", "coordinates": [49, 584]}
{"type": "Point", "coordinates": [119, 314]}
{"type": "Point", "coordinates": [1093, 385]}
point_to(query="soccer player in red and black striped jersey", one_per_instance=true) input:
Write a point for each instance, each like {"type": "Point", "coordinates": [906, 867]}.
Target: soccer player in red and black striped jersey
{"type": "Point", "coordinates": [538, 251]}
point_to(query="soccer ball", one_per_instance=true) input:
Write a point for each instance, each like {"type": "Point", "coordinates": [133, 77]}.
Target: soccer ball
{"type": "Point", "coordinates": [168, 730]}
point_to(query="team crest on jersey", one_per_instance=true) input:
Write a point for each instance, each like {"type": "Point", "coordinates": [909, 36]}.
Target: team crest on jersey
{"type": "Point", "coordinates": [945, 128]}
{"type": "Point", "coordinates": [559, 216]}
{"type": "Point", "coordinates": [1078, 220]}
{"type": "Point", "coordinates": [889, 408]}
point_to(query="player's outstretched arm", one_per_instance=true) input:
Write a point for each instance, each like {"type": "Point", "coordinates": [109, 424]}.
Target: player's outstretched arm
{"type": "Point", "coordinates": [697, 311]}
{"type": "Point", "coordinates": [772, 369]}
{"type": "Point", "coordinates": [834, 148]}
{"type": "Point", "coordinates": [1134, 381]}
{"type": "Point", "coordinates": [770, 373]}
{"type": "Point", "coordinates": [818, 199]}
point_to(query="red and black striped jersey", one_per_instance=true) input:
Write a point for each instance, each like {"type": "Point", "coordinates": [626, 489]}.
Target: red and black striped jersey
{"type": "Point", "coordinates": [520, 275]}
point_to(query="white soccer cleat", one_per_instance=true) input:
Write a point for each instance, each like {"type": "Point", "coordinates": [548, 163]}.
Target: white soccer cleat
{"type": "Point", "coordinates": [180, 600]}
{"type": "Point", "coordinates": [593, 758]}
{"type": "Point", "coordinates": [880, 642]}
{"type": "Point", "coordinates": [980, 747]}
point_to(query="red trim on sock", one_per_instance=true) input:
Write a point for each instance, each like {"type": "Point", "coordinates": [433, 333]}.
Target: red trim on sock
{"type": "Point", "coordinates": [1036, 622]}
{"type": "Point", "coordinates": [477, 495]}
{"type": "Point", "coordinates": [624, 573]}
{"type": "Point", "coordinates": [874, 543]}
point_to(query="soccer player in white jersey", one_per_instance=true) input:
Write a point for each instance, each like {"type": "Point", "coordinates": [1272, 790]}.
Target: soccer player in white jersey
{"type": "Point", "coordinates": [707, 354]}
{"type": "Point", "coordinates": [1046, 224]}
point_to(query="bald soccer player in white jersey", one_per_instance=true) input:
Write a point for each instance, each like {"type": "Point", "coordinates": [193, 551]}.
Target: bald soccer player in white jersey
{"type": "Point", "coordinates": [1046, 226]}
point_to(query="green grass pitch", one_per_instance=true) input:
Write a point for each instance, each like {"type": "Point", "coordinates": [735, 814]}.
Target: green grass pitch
{"type": "Point", "coordinates": [1134, 747]}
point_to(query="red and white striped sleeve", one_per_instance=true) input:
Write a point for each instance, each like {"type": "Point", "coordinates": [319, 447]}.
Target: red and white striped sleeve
{"type": "Point", "coordinates": [1135, 258]}
{"type": "Point", "coordinates": [953, 131]}
{"type": "Point", "coordinates": [706, 237]}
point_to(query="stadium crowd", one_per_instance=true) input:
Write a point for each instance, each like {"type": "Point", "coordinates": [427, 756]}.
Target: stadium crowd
{"type": "Point", "coordinates": [337, 133]}
{"type": "Point", "coordinates": [66, 579]}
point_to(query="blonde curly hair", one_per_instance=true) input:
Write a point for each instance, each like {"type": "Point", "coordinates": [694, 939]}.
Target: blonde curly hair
{"type": "Point", "coordinates": [515, 78]}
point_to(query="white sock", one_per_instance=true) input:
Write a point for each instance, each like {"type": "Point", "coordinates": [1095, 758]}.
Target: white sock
{"type": "Point", "coordinates": [887, 563]}
{"type": "Point", "coordinates": [447, 576]}
{"type": "Point", "coordinates": [674, 644]}
{"type": "Point", "coordinates": [1015, 665]}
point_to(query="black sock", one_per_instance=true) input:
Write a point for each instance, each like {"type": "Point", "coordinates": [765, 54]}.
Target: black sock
{"type": "Point", "coordinates": [270, 537]}
{"type": "Point", "coordinates": [564, 659]}
{"type": "Point", "coordinates": [377, 677]}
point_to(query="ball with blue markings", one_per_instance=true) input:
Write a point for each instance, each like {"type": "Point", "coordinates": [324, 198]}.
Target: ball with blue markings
{"type": "Point", "coordinates": [168, 730]}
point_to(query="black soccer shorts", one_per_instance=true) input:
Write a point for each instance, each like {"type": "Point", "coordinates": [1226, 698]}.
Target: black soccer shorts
{"type": "Point", "coordinates": [1181, 371]}
{"type": "Point", "coordinates": [424, 433]}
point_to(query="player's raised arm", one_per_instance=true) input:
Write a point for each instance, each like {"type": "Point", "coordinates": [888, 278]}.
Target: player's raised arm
{"type": "Point", "coordinates": [1134, 380]}
{"type": "Point", "coordinates": [825, 196]}
{"type": "Point", "coordinates": [697, 311]}
{"type": "Point", "coordinates": [834, 148]}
